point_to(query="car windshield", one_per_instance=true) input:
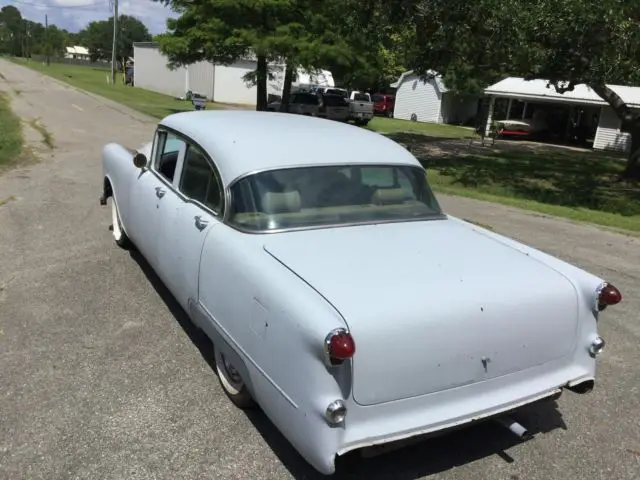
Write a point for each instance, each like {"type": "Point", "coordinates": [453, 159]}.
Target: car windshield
{"type": "Point", "coordinates": [331, 195]}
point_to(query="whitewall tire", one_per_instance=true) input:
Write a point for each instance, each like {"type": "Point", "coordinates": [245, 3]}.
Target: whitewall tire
{"type": "Point", "coordinates": [117, 231]}
{"type": "Point", "coordinates": [232, 382]}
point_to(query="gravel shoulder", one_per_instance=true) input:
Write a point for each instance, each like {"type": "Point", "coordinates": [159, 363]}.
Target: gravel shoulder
{"type": "Point", "coordinates": [103, 377]}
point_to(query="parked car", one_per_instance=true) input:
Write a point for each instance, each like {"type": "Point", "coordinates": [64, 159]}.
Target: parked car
{"type": "Point", "coordinates": [337, 293]}
{"type": "Point", "coordinates": [383, 104]}
{"type": "Point", "coordinates": [360, 104]}
{"type": "Point", "coordinates": [333, 107]}
{"type": "Point", "coordinates": [302, 103]}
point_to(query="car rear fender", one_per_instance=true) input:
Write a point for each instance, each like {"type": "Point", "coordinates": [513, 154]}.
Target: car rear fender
{"type": "Point", "coordinates": [269, 315]}
{"type": "Point", "coordinates": [274, 325]}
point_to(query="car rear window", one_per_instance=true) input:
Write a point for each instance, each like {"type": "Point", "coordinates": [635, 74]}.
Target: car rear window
{"type": "Point", "coordinates": [335, 101]}
{"type": "Point", "coordinates": [307, 98]}
{"type": "Point", "coordinates": [337, 91]}
{"type": "Point", "coordinates": [361, 97]}
{"type": "Point", "coordinates": [325, 196]}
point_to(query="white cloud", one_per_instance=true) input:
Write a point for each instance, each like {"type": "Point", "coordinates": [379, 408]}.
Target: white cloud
{"type": "Point", "coordinates": [74, 15]}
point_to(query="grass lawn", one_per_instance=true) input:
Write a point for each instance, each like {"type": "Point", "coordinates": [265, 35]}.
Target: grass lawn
{"type": "Point", "coordinates": [11, 138]}
{"type": "Point", "coordinates": [577, 186]}
{"type": "Point", "coordinates": [392, 125]}
{"type": "Point", "coordinates": [94, 80]}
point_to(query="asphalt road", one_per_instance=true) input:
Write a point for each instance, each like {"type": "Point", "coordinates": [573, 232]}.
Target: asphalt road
{"type": "Point", "coordinates": [101, 377]}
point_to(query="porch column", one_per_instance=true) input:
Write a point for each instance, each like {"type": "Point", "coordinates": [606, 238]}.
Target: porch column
{"type": "Point", "coordinates": [509, 108]}
{"type": "Point", "coordinates": [487, 126]}
{"type": "Point", "coordinates": [568, 129]}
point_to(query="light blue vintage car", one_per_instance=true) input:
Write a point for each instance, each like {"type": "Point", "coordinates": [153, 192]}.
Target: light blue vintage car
{"type": "Point", "coordinates": [337, 294]}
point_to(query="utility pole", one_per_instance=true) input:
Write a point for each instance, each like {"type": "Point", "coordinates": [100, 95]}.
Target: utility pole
{"type": "Point", "coordinates": [115, 42]}
{"type": "Point", "coordinates": [46, 35]}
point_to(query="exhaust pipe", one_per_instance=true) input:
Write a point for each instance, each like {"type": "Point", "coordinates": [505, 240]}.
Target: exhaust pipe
{"type": "Point", "coordinates": [515, 428]}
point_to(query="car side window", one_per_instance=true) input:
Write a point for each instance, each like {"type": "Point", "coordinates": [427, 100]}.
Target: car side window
{"type": "Point", "coordinates": [169, 146]}
{"type": "Point", "coordinates": [199, 181]}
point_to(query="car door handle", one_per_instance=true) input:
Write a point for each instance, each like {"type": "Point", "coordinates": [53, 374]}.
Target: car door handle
{"type": "Point", "coordinates": [200, 224]}
{"type": "Point", "coordinates": [160, 192]}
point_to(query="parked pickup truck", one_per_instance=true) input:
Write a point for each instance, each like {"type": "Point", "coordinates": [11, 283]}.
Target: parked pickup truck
{"type": "Point", "coordinates": [360, 108]}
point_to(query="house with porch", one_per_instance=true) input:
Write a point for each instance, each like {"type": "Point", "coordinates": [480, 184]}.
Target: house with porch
{"type": "Point", "coordinates": [533, 104]}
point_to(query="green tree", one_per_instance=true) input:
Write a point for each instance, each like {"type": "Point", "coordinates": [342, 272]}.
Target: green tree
{"type": "Point", "coordinates": [98, 37]}
{"type": "Point", "coordinates": [11, 30]}
{"type": "Point", "coordinates": [473, 44]}
{"type": "Point", "coordinates": [307, 33]}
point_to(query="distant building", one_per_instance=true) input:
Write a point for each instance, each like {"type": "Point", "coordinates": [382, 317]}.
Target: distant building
{"type": "Point", "coordinates": [430, 101]}
{"type": "Point", "coordinates": [219, 83]}
{"type": "Point", "coordinates": [77, 53]}
{"type": "Point", "coordinates": [581, 107]}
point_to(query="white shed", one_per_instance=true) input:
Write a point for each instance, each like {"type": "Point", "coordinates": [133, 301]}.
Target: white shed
{"type": "Point", "coordinates": [430, 101]}
{"type": "Point", "coordinates": [527, 92]}
{"type": "Point", "coordinates": [220, 83]}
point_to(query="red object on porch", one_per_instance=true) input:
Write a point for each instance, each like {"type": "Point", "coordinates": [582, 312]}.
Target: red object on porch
{"type": "Point", "coordinates": [519, 133]}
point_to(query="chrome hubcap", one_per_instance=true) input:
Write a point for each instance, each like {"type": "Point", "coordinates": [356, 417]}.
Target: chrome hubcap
{"type": "Point", "coordinates": [232, 373]}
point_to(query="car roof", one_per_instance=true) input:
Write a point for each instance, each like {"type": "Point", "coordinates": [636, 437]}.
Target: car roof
{"type": "Point", "coordinates": [241, 142]}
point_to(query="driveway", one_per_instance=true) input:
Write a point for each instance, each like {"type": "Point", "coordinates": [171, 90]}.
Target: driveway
{"type": "Point", "coordinates": [101, 376]}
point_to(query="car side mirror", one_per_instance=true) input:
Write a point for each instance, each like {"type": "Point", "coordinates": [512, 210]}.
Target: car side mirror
{"type": "Point", "coordinates": [140, 160]}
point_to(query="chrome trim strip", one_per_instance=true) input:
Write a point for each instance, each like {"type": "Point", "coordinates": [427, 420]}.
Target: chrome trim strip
{"type": "Point", "coordinates": [335, 225]}
{"type": "Point", "coordinates": [333, 164]}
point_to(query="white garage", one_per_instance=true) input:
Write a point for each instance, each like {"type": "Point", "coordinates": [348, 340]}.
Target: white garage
{"type": "Point", "coordinates": [430, 101]}
{"type": "Point", "coordinates": [220, 83]}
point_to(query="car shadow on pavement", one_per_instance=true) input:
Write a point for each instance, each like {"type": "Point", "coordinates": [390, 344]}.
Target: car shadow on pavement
{"type": "Point", "coordinates": [426, 457]}
{"type": "Point", "coordinates": [197, 336]}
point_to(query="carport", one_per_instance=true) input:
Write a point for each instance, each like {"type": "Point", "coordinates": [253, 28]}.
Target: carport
{"type": "Point", "coordinates": [579, 116]}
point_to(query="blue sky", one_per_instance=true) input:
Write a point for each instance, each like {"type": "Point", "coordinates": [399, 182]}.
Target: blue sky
{"type": "Point", "coordinates": [74, 15]}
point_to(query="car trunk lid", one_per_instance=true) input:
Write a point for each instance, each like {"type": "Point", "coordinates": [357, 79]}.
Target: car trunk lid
{"type": "Point", "coordinates": [433, 305]}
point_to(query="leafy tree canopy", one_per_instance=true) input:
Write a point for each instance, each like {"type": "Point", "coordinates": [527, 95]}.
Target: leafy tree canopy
{"type": "Point", "coordinates": [473, 44]}
{"type": "Point", "coordinates": [307, 33]}
{"type": "Point", "coordinates": [98, 37]}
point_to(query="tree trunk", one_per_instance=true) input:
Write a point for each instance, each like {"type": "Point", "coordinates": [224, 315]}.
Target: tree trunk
{"type": "Point", "coordinates": [286, 89]}
{"type": "Point", "coordinates": [261, 84]}
{"type": "Point", "coordinates": [630, 123]}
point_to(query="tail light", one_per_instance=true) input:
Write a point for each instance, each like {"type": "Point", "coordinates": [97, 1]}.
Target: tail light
{"type": "Point", "coordinates": [339, 346]}
{"type": "Point", "coordinates": [607, 294]}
